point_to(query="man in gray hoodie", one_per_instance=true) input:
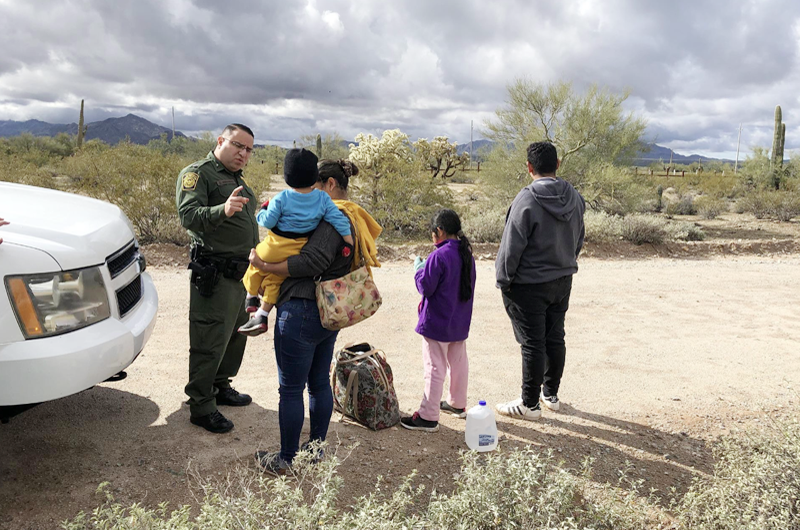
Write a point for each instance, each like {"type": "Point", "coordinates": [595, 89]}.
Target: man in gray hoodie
{"type": "Point", "coordinates": [538, 255]}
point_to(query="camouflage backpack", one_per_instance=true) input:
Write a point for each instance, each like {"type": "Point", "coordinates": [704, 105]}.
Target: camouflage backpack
{"type": "Point", "coordinates": [361, 380]}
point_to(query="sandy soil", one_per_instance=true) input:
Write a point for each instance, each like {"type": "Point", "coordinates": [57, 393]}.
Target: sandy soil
{"type": "Point", "coordinates": [664, 355]}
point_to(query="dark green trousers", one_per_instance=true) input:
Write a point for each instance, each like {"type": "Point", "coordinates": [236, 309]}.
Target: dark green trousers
{"type": "Point", "coordinates": [215, 347]}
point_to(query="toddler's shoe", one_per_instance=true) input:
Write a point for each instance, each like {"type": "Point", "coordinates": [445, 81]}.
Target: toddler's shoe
{"type": "Point", "coordinates": [447, 407]}
{"type": "Point", "coordinates": [252, 305]}
{"type": "Point", "coordinates": [416, 423]}
{"type": "Point", "coordinates": [517, 409]}
{"type": "Point", "coordinates": [255, 326]}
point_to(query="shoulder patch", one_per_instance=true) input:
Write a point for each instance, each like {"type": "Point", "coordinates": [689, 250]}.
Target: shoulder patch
{"type": "Point", "coordinates": [189, 181]}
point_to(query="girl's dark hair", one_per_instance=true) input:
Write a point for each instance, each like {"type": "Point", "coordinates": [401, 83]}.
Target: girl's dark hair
{"type": "Point", "coordinates": [450, 224]}
{"type": "Point", "coordinates": [339, 170]}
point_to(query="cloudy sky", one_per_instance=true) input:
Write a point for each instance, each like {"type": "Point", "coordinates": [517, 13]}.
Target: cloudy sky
{"type": "Point", "coordinates": [695, 69]}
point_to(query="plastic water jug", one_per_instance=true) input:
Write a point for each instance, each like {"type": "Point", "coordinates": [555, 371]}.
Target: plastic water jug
{"type": "Point", "coordinates": [481, 430]}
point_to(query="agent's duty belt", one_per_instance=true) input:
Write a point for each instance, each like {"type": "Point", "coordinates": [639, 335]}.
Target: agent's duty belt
{"type": "Point", "coordinates": [206, 269]}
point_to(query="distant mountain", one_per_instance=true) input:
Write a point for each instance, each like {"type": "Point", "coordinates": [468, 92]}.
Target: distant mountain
{"type": "Point", "coordinates": [477, 145]}
{"type": "Point", "coordinates": [661, 153]}
{"type": "Point", "coordinates": [111, 130]}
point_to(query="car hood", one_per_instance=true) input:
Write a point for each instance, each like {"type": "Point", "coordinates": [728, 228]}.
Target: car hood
{"type": "Point", "coordinates": [76, 231]}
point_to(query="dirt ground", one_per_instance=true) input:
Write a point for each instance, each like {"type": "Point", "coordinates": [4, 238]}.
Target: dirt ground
{"type": "Point", "coordinates": [668, 348]}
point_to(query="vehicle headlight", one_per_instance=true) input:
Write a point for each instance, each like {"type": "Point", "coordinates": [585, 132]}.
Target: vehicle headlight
{"type": "Point", "coordinates": [55, 303]}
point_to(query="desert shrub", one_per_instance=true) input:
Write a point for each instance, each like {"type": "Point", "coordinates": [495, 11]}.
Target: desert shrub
{"type": "Point", "coordinates": [619, 191]}
{"type": "Point", "coordinates": [640, 229]}
{"type": "Point", "coordinates": [710, 207]}
{"type": "Point", "coordinates": [602, 227]}
{"type": "Point", "coordinates": [683, 231]}
{"type": "Point", "coordinates": [14, 169]}
{"type": "Point", "coordinates": [520, 489]}
{"type": "Point", "coordinates": [770, 204]}
{"type": "Point", "coordinates": [683, 206]}
{"type": "Point", "coordinates": [139, 180]}
{"type": "Point", "coordinates": [484, 224]}
{"type": "Point", "coordinates": [755, 485]}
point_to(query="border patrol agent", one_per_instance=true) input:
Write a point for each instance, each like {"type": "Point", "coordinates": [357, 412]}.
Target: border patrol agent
{"type": "Point", "coordinates": [217, 208]}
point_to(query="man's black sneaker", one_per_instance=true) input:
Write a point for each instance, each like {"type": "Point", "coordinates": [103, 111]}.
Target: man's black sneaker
{"type": "Point", "coordinates": [447, 407]}
{"type": "Point", "coordinates": [252, 305]}
{"type": "Point", "coordinates": [255, 326]}
{"type": "Point", "coordinates": [214, 422]}
{"type": "Point", "coordinates": [272, 463]}
{"type": "Point", "coordinates": [416, 423]}
{"type": "Point", "coordinates": [229, 396]}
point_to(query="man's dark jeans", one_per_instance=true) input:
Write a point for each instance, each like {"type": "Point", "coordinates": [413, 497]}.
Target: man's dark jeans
{"type": "Point", "coordinates": [537, 314]}
{"type": "Point", "coordinates": [303, 351]}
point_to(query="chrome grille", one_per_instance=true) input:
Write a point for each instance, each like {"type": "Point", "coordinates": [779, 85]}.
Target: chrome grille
{"type": "Point", "coordinates": [128, 296]}
{"type": "Point", "coordinates": [122, 259]}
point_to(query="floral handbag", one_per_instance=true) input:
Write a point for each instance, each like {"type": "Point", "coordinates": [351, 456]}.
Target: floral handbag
{"type": "Point", "coordinates": [348, 300]}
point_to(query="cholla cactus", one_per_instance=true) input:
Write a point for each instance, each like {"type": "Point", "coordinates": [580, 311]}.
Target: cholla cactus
{"type": "Point", "coordinates": [379, 157]}
{"type": "Point", "coordinates": [440, 156]}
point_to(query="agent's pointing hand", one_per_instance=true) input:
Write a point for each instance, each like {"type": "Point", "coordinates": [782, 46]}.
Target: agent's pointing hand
{"type": "Point", "coordinates": [235, 203]}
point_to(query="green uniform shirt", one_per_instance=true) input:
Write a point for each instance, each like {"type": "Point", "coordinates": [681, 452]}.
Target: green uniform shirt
{"type": "Point", "coordinates": [202, 189]}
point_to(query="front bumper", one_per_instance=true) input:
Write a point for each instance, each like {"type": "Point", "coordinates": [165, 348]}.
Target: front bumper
{"type": "Point", "coordinates": [37, 370]}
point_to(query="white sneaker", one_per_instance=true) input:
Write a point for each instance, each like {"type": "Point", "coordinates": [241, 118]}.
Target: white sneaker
{"type": "Point", "coordinates": [516, 409]}
{"type": "Point", "coordinates": [551, 402]}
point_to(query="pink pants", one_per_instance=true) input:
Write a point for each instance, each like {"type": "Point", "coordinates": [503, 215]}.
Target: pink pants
{"type": "Point", "coordinates": [440, 358]}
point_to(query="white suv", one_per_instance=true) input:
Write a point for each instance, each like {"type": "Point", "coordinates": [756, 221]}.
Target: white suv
{"type": "Point", "coordinates": [76, 307]}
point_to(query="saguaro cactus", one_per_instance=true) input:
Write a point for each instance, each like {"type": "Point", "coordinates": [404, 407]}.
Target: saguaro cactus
{"type": "Point", "coordinates": [81, 128]}
{"type": "Point", "coordinates": [776, 161]}
{"type": "Point", "coordinates": [319, 146]}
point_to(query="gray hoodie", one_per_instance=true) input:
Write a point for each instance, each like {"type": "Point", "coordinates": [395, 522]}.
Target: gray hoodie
{"type": "Point", "coordinates": [543, 234]}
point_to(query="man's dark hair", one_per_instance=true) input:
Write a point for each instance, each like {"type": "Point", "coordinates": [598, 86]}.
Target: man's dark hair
{"type": "Point", "coordinates": [543, 157]}
{"type": "Point", "coordinates": [238, 127]}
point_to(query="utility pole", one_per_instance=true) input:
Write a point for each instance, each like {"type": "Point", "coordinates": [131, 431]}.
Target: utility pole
{"type": "Point", "coordinates": [173, 123]}
{"type": "Point", "coordinates": [738, 140]}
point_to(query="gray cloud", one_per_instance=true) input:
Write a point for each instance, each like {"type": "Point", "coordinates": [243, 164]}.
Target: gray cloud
{"type": "Point", "coordinates": [695, 69]}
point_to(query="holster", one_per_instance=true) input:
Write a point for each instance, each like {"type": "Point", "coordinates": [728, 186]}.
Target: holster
{"type": "Point", "coordinates": [204, 273]}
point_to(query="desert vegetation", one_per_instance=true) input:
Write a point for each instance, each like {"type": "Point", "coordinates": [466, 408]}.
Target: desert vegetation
{"type": "Point", "coordinates": [755, 485]}
{"type": "Point", "coordinates": [403, 182]}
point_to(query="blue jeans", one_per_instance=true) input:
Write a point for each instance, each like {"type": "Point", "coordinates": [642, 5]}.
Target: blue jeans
{"type": "Point", "coordinates": [303, 352]}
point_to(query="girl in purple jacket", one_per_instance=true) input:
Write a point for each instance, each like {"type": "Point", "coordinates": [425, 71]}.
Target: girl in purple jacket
{"type": "Point", "coordinates": [446, 281]}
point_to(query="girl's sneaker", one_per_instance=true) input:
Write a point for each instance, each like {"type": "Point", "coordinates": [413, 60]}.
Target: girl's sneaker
{"type": "Point", "coordinates": [447, 407]}
{"type": "Point", "coordinates": [416, 423]}
{"type": "Point", "coordinates": [517, 409]}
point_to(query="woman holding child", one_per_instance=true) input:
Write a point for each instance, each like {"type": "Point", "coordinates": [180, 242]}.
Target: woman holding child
{"type": "Point", "coordinates": [303, 348]}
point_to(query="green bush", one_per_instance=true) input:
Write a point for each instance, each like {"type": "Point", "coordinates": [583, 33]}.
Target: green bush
{"type": "Point", "coordinates": [640, 229]}
{"type": "Point", "coordinates": [778, 205]}
{"type": "Point", "coordinates": [710, 207]}
{"type": "Point", "coordinates": [755, 484]}
{"type": "Point", "coordinates": [520, 489]}
{"type": "Point", "coordinates": [684, 206]}
{"type": "Point", "coordinates": [139, 180]}
{"type": "Point", "coordinates": [602, 227]}
{"type": "Point", "coordinates": [484, 224]}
